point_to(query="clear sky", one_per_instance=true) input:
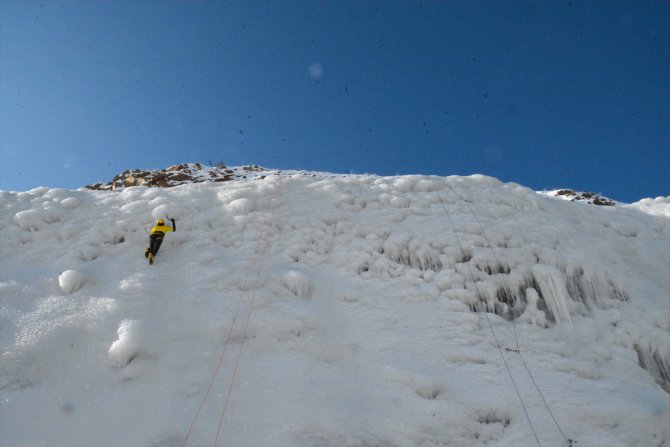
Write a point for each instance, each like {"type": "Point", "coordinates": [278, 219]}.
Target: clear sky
{"type": "Point", "coordinates": [544, 93]}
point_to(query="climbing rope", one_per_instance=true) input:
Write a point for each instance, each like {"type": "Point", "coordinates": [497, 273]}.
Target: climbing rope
{"type": "Point", "coordinates": [568, 441]}
{"type": "Point", "coordinates": [261, 248]}
{"type": "Point", "coordinates": [488, 319]}
{"type": "Point", "coordinates": [225, 347]}
{"type": "Point", "coordinates": [251, 309]}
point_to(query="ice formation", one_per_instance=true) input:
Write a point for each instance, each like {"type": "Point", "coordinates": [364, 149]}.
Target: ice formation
{"type": "Point", "coordinates": [324, 309]}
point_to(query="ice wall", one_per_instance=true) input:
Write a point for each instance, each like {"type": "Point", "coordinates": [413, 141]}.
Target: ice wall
{"type": "Point", "coordinates": [369, 293]}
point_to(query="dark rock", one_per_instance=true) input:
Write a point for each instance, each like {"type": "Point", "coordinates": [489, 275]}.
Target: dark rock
{"type": "Point", "coordinates": [585, 196]}
{"type": "Point", "coordinates": [176, 175]}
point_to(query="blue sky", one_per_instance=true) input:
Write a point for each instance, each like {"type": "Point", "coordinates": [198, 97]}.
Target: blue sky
{"type": "Point", "coordinates": [546, 93]}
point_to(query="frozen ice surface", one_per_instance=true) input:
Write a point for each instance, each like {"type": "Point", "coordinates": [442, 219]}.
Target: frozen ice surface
{"type": "Point", "coordinates": [313, 309]}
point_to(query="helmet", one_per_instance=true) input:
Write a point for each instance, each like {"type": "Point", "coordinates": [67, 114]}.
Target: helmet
{"type": "Point", "coordinates": [160, 222]}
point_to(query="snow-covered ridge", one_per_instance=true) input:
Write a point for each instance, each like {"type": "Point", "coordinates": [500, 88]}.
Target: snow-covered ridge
{"type": "Point", "coordinates": [660, 206]}
{"type": "Point", "coordinates": [187, 173]}
{"type": "Point", "coordinates": [378, 310]}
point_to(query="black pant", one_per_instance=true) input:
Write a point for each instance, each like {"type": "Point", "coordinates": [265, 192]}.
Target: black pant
{"type": "Point", "coordinates": [155, 241]}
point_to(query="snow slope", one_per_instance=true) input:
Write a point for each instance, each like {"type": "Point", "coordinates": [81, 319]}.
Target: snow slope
{"type": "Point", "coordinates": [660, 206]}
{"type": "Point", "coordinates": [309, 309]}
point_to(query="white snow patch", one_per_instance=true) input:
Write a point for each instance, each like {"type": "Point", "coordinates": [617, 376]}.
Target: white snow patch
{"type": "Point", "coordinates": [70, 203]}
{"type": "Point", "coordinates": [241, 206]}
{"type": "Point", "coordinates": [71, 280]}
{"type": "Point", "coordinates": [660, 206]}
{"type": "Point", "coordinates": [30, 220]}
{"type": "Point", "coordinates": [128, 345]}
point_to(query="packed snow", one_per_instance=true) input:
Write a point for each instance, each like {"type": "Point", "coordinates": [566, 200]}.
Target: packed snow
{"type": "Point", "coordinates": [311, 309]}
{"type": "Point", "coordinates": [660, 206]}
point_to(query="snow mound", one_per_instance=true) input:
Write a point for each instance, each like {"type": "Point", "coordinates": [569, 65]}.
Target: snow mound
{"type": "Point", "coordinates": [241, 206]}
{"type": "Point", "coordinates": [70, 203]}
{"type": "Point", "coordinates": [30, 220]}
{"type": "Point", "coordinates": [71, 280]}
{"type": "Point", "coordinates": [660, 206]}
{"type": "Point", "coordinates": [128, 345]}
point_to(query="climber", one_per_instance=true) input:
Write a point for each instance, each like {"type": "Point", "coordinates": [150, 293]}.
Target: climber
{"type": "Point", "coordinates": [156, 238]}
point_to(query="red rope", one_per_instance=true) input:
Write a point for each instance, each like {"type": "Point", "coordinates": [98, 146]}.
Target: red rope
{"type": "Point", "coordinates": [251, 309]}
{"type": "Point", "coordinates": [239, 354]}
{"type": "Point", "coordinates": [251, 267]}
{"type": "Point", "coordinates": [225, 348]}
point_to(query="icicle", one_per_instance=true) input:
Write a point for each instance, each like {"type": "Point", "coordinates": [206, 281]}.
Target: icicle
{"type": "Point", "coordinates": [553, 289]}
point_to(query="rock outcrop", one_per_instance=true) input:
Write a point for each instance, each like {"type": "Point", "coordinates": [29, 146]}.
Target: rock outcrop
{"type": "Point", "coordinates": [177, 175]}
{"type": "Point", "coordinates": [580, 196]}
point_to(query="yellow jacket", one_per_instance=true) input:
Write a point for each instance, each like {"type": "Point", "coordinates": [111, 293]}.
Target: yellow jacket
{"type": "Point", "coordinates": [162, 229]}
